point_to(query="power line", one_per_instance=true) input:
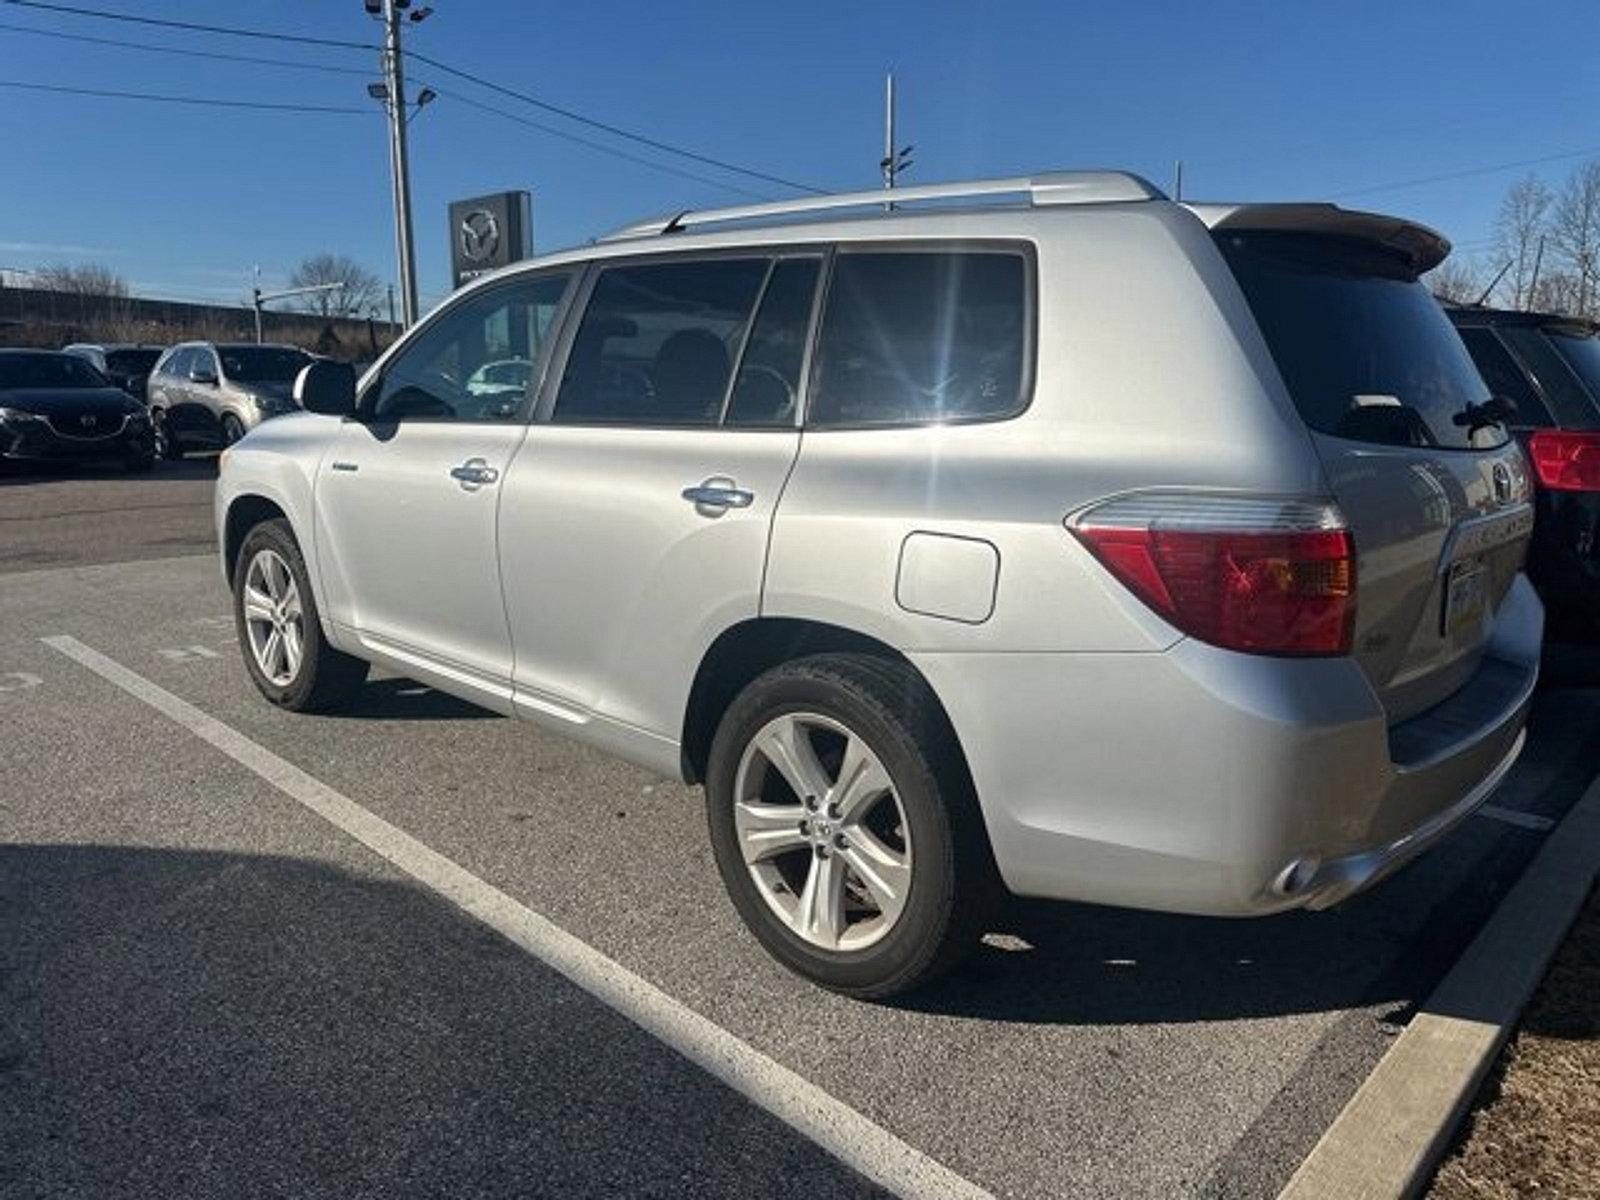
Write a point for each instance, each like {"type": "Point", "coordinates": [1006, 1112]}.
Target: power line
{"type": "Point", "coordinates": [184, 52]}
{"type": "Point", "coordinates": [259, 60]}
{"type": "Point", "coordinates": [601, 147]}
{"type": "Point", "coordinates": [1468, 174]}
{"type": "Point", "coordinates": [614, 130]}
{"type": "Point", "coordinates": [569, 114]}
{"type": "Point", "coordinates": [206, 101]}
{"type": "Point", "coordinates": [192, 26]}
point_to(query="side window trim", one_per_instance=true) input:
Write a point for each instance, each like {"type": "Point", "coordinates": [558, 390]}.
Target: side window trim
{"type": "Point", "coordinates": [577, 276]}
{"type": "Point", "coordinates": [1024, 249]}
{"type": "Point", "coordinates": [823, 256]}
{"type": "Point", "coordinates": [744, 342]}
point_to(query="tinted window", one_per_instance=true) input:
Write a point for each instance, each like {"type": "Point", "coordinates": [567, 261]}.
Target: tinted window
{"type": "Point", "coordinates": [1582, 352]}
{"type": "Point", "coordinates": [1564, 394]}
{"type": "Point", "coordinates": [1505, 378]}
{"type": "Point", "coordinates": [915, 336]}
{"type": "Point", "coordinates": [1364, 349]}
{"type": "Point", "coordinates": [262, 364]}
{"type": "Point", "coordinates": [767, 387]}
{"type": "Point", "coordinates": [657, 342]}
{"type": "Point", "coordinates": [132, 362]}
{"type": "Point", "coordinates": [477, 360]}
{"type": "Point", "coordinates": [176, 363]}
{"type": "Point", "coordinates": [46, 370]}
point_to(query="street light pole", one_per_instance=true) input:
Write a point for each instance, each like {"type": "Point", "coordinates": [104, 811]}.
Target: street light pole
{"type": "Point", "coordinates": [399, 159]}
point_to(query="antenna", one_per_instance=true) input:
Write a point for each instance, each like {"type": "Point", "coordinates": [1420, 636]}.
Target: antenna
{"type": "Point", "coordinates": [1493, 283]}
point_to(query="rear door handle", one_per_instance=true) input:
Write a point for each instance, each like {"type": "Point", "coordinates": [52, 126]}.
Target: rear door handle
{"type": "Point", "coordinates": [474, 473]}
{"type": "Point", "coordinates": [718, 494]}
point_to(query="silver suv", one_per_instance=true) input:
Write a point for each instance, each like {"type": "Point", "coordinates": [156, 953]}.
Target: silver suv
{"type": "Point", "coordinates": [1090, 546]}
{"type": "Point", "coordinates": [208, 394]}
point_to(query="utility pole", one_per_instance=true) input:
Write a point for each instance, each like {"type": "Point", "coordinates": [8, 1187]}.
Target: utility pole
{"type": "Point", "coordinates": [894, 161]}
{"type": "Point", "coordinates": [399, 160]}
{"type": "Point", "coordinates": [258, 298]}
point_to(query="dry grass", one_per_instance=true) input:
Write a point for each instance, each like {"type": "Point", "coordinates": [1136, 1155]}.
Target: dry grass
{"type": "Point", "coordinates": [1536, 1131]}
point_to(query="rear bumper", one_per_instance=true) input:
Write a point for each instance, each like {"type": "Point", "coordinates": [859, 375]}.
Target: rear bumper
{"type": "Point", "coordinates": [1203, 781]}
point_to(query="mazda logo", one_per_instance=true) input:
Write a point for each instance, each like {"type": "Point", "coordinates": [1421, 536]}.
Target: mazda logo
{"type": "Point", "coordinates": [1502, 482]}
{"type": "Point", "coordinates": [480, 235]}
{"type": "Point", "coordinates": [88, 420]}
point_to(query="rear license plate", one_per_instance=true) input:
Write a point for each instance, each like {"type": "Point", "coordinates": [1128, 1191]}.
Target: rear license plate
{"type": "Point", "coordinates": [1465, 591]}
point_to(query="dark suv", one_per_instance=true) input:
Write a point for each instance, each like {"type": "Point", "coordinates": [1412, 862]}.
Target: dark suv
{"type": "Point", "coordinates": [1548, 368]}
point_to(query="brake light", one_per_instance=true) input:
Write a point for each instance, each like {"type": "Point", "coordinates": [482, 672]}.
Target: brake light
{"type": "Point", "coordinates": [1260, 576]}
{"type": "Point", "coordinates": [1566, 461]}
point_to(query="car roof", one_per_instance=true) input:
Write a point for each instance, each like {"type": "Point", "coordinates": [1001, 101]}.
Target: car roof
{"type": "Point", "coordinates": [1476, 314]}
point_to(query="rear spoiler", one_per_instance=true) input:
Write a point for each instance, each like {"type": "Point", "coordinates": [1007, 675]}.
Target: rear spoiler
{"type": "Point", "coordinates": [1423, 248]}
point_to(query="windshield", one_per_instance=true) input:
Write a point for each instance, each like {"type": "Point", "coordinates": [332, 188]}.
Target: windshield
{"type": "Point", "coordinates": [45, 370]}
{"type": "Point", "coordinates": [262, 364]}
{"type": "Point", "coordinates": [131, 362]}
{"type": "Point", "coordinates": [1582, 353]}
{"type": "Point", "coordinates": [1364, 349]}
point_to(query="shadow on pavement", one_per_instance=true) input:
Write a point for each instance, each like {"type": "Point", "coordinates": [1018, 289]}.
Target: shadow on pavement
{"type": "Point", "coordinates": [189, 469]}
{"type": "Point", "coordinates": [209, 1024]}
{"type": "Point", "coordinates": [405, 700]}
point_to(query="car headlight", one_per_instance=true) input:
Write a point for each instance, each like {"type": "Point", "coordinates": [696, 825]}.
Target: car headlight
{"type": "Point", "coordinates": [16, 416]}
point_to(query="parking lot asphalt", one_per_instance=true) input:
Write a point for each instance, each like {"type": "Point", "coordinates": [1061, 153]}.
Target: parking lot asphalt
{"type": "Point", "coordinates": [208, 988]}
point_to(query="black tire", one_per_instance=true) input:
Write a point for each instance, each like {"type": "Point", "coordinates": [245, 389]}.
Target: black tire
{"type": "Point", "coordinates": [954, 884]}
{"type": "Point", "coordinates": [327, 679]}
{"type": "Point", "coordinates": [232, 429]}
{"type": "Point", "coordinates": [166, 441]}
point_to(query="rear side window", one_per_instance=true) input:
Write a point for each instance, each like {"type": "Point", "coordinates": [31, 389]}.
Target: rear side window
{"type": "Point", "coordinates": [1364, 349]}
{"type": "Point", "coordinates": [1582, 352]}
{"type": "Point", "coordinates": [657, 343]}
{"type": "Point", "coordinates": [178, 362]}
{"type": "Point", "coordinates": [921, 336]}
{"type": "Point", "coordinates": [1505, 377]}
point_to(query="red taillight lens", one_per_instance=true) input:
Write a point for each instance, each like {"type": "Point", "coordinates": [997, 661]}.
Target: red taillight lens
{"type": "Point", "coordinates": [1566, 461]}
{"type": "Point", "coordinates": [1263, 577]}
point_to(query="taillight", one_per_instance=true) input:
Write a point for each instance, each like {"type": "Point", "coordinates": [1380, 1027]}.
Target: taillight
{"type": "Point", "coordinates": [1261, 576]}
{"type": "Point", "coordinates": [1566, 461]}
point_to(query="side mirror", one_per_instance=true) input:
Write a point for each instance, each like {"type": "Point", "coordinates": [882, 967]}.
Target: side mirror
{"type": "Point", "coordinates": [326, 387]}
{"type": "Point", "coordinates": [203, 375]}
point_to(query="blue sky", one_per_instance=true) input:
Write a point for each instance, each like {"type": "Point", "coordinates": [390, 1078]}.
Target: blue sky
{"type": "Point", "coordinates": [1285, 100]}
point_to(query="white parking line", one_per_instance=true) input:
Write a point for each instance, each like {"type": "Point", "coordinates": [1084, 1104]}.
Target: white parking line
{"type": "Point", "coordinates": [837, 1128]}
{"type": "Point", "coordinates": [1511, 816]}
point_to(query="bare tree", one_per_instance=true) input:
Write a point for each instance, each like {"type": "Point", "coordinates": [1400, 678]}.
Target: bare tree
{"type": "Point", "coordinates": [1575, 236]}
{"type": "Point", "coordinates": [85, 279]}
{"type": "Point", "coordinates": [359, 291]}
{"type": "Point", "coordinates": [1457, 280]}
{"type": "Point", "coordinates": [1523, 220]}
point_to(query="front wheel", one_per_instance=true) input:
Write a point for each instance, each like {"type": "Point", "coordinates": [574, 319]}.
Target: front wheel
{"type": "Point", "coordinates": [845, 827]}
{"type": "Point", "coordinates": [167, 446]}
{"type": "Point", "coordinates": [276, 617]}
{"type": "Point", "coordinates": [232, 429]}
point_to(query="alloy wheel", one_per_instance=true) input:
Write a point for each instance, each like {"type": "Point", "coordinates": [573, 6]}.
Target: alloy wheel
{"type": "Point", "coordinates": [822, 831]}
{"type": "Point", "coordinates": [273, 617]}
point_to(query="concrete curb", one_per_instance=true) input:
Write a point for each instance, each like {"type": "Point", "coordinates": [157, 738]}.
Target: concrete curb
{"type": "Point", "coordinates": [1387, 1141]}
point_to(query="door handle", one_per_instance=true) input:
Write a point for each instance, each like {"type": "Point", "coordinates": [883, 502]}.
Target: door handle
{"type": "Point", "coordinates": [474, 473]}
{"type": "Point", "coordinates": [718, 494]}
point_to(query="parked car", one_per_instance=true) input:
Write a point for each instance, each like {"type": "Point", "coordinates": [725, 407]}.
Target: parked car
{"type": "Point", "coordinates": [204, 395]}
{"type": "Point", "coordinates": [1115, 549]}
{"type": "Point", "coordinates": [1547, 368]}
{"type": "Point", "coordinates": [126, 364]}
{"type": "Point", "coordinates": [56, 408]}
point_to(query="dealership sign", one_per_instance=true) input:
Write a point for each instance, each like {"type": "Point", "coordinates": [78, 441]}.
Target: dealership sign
{"type": "Point", "coordinates": [488, 232]}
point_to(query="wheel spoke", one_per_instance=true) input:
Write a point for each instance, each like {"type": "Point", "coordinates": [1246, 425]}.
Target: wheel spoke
{"type": "Point", "coordinates": [768, 830]}
{"type": "Point", "coordinates": [786, 745]}
{"type": "Point", "coordinates": [272, 655]}
{"type": "Point", "coordinates": [884, 872]}
{"type": "Point", "coordinates": [291, 648]}
{"type": "Point", "coordinates": [257, 604]}
{"type": "Point", "coordinates": [821, 904]}
{"type": "Point", "coordinates": [276, 576]}
{"type": "Point", "coordinates": [291, 599]}
{"type": "Point", "coordinates": [862, 781]}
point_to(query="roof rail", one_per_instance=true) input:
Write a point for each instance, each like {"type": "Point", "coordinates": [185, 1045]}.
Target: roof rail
{"type": "Point", "coordinates": [1054, 187]}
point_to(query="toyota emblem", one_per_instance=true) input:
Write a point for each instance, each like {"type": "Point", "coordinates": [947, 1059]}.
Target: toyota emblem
{"type": "Point", "coordinates": [480, 235]}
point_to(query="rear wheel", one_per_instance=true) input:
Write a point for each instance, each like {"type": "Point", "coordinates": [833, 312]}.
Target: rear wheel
{"type": "Point", "coordinates": [845, 827]}
{"type": "Point", "coordinates": [275, 613]}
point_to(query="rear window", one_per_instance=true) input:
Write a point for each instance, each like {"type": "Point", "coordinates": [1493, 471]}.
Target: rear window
{"type": "Point", "coordinates": [1364, 349]}
{"type": "Point", "coordinates": [263, 364]}
{"type": "Point", "coordinates": [921, 336]}
{"type": "Point", "coordinates": [1582, 353]}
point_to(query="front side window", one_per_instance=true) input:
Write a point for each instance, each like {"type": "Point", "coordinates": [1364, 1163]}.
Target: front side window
{"type": "Point", "coordinates": [657, 343]}
{"type": "Point", "coordinates": [766, 389]}
{"type": "Point", "coordinates": [477, 361]}
{"type": "Point", "coordinates": [921, 336]}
